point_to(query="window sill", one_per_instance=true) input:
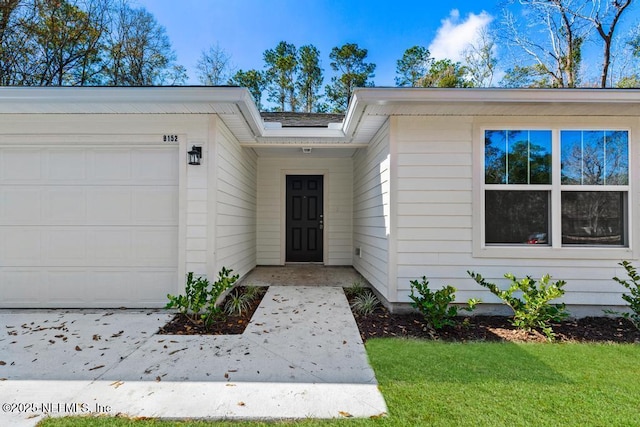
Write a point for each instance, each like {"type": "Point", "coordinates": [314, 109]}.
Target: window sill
{"type": "Point", "coordinates": [547, 252]}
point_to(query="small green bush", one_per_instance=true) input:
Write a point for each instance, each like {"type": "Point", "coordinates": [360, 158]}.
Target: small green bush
{"type": "Point", "coordinates": [237, 303]}
{"type": "Point", "coordinates": [199, 304]}
{"type": "Point", "coordinates": [633, 285]}
{"type": "Point", "coordinates": [365, 302]}
{"type": "Point", "coordinates": [436, 306]}
{"type": "Point", "coordinates": [533, 309]}
{"type": "Point", "coordinates": [356, 288]}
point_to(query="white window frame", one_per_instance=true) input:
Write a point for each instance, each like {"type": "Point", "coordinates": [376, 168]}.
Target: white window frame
{"type": "Point", "coordinates": [555, 249]}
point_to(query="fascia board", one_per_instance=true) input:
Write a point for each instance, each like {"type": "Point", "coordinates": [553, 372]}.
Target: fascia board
{"type": "Point", "coordinates": [389, 96]}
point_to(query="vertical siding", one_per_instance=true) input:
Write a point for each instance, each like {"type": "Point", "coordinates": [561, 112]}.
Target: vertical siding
{"type": "Point", "coordinates": [435, 218]}
{"type": "Point", "coordinates": [235, 207]}
{"type": "Point", "coordinates": [337, 207]}
{"type": "Point", "coordinates": [371, 211]}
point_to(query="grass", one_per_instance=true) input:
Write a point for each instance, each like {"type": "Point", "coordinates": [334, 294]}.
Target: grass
{"type": "Point", "coordinates": [483, 384]}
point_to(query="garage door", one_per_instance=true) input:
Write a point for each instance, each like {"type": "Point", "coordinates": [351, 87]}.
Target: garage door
{"type": "Point", "coordinates": [84, 226]}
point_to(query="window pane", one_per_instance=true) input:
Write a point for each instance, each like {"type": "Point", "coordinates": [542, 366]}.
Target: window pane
{"type": "Point", "coordinates": [593, 218]}
{"type": "Point", "coordinates": [518, 160]}
{"type": "Point", "coordinates": [594, 157]}
{"type": "Point", "coordinates": [617, 158]}
{"type": "Point", "coordinates": [495, 157]}
{"type": "Point", "coordinates": [518, 157]}
{"type": "Point", "coordinates": [517, 217]}
{"type": "Point", "coordinates": [540, 157]}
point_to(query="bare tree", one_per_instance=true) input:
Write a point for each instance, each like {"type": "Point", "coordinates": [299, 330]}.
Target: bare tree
{"type": "Point", "coordinates": [480, 59]}
{"type": "Point", "coordinates": [557, 51]}
{"type": "Point", "coordinates": [214, 66]}
{"type": "Point", "coordinates": [139, 52]}
{"type": "Point", "coordinates": [605, 20]}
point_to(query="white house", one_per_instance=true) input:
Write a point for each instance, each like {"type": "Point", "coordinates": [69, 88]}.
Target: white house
{"type": "Point", "coordinates": [99, 206]}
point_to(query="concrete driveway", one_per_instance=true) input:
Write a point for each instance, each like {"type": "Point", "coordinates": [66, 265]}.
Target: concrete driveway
{"type": "Point", "coordinates": [301, 356]}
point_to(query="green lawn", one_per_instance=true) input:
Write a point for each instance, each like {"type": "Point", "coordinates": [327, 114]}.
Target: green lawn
{"type": "Point", "coordinates": [486, 384]}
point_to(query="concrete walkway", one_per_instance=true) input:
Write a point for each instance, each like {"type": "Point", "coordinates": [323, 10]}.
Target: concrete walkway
{"type": "Point", "coordinates": [300, 357]}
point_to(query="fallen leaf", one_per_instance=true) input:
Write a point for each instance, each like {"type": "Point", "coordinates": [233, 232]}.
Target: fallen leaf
{"type": "Point", "coordinates": [345, 414]}
{"type": "Point", "coordinates": [158, 379]}
{"type": "Point", "coordinates": [226, 375]}
{"type": "Point", "coordinates": [2, 363]}
{"type": "Point", "coordinates": [116, 384]}
{"type": "Point", "coordinates": [78, 348]}
{"type": "Point", "coordinates": [96, 367]}
{"type": "Point", "coordinates": [230, 385]}
{"type": "Point", "coordinates": [240, 403]}
{"type": "Point", "coordinates": [117, 335]}
{"type": "Point", "coordinates": [96, 337]}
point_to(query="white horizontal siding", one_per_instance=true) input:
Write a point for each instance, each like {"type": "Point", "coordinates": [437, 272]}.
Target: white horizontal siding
{"type": "Point", "coordinates": [235, 207]}
{"type": "Point", "coordinates": [371, 211]}
{"type": "Point", "coordinates": [435, 220]}
{"type": "Point", "coordinates": [338, 207]}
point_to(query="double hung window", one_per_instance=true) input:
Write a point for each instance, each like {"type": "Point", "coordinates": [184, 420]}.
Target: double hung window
{"type": "Point", "coordinates": [575, 179]}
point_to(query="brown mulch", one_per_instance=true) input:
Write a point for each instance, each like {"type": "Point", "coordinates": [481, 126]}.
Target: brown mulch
{"type": "Point", "coordinates": [383, 324]}
{"type": "Point", "coordinates": [229, 325]}
{"type": "Point", "coordinates": [494, 328]}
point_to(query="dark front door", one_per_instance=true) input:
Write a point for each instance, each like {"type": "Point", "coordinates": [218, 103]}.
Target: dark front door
{"type": "Point", "coordinates": [304, 218]}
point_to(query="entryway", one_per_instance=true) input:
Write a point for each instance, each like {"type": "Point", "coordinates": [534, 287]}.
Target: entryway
{"type": "Point", "coordinates": [303, 275]}
{"type": "Point", "coordinates": [305, 218]}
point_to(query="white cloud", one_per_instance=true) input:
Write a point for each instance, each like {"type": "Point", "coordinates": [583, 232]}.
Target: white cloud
{"type": "Point", "coordinates": [454, 36]}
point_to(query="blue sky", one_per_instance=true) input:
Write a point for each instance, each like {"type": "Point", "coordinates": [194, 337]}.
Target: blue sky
{"type": "Point", "coordinates": [246, 28]}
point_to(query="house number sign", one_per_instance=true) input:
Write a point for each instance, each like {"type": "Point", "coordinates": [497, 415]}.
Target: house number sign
{"type": "Point", "coordinates": [170, 138]}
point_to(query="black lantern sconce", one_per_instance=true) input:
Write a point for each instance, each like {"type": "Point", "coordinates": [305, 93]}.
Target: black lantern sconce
{"type": "Point", "coordinates": [195, 155]}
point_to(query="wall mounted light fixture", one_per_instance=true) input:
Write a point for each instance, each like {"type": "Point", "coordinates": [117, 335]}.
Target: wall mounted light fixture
{"type": "Point", "coordinates": [195, 155]}
{"type": "Point", "coordinates": [306, 150]}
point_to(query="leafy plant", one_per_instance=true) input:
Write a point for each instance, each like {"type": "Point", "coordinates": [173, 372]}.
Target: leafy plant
{"type": "Point", "coordinates": [436, 306]}
{"type": "Point", "coordinates": [238, 303]}
{"type": "Point", "coordinates": [533, 309]}
{"type": "Point", "coordinates": [356, 288]}
{"type": "Point", "coordinates": [633, 285]}
{"type": "Point", "coordinates": [200, 302]}
{"type": "Point", "coordinates": [365, 303]}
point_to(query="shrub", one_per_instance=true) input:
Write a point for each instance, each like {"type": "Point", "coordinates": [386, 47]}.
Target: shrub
{"type": "Point", "coordinates": [436, 306]}
{"type": "Point", "coordinates": [633, 285]}
{"type": "Point", "coordinates": [237, 303]}
{"type": "Point", "coordinates": [356, 288]}
{"type": "Point", "coordinates": [365, 302]}
{"type": "Point", "coordinates": [533, 310]}
{"type": "Point", "coordinates": [199, 304]}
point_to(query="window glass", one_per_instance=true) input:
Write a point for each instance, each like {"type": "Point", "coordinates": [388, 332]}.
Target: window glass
{"type": "Point", "coordinates": [517, 217]}
{"type": "Point", "coordinates": [593, 218]}
{"type": "Point", "coordinates": [594, 157]}
{"type": "Point", "coordinates": [518, 157]}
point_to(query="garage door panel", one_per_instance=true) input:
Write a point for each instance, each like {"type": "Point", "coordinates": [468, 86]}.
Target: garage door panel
{"type": "Point", "coordinates": [111, 247]}
{"type": "Point", "coordinates": [67, 165]}
{"type": "Point", "coordinates": [161, 166]}
{"type": "Point", "coordinates": [22, 287]}
{"type": "Point", "coordinates": [20, 164]}
{"type": "Point", "coordinates": [109, 206]}
{"type": "Point", "coordinates": [146, 288]}
{"type": "Point", "coordinates": [20, 206]}
{"type": "Point", "coordinates": [158, 206]}
{"type": "Point", "coordinates": [111, 165]}
{"type": "Point", "coordinates": [20, 246]}
{"type": "Point", "coordinates": [68, 287]}
{"type": "Point", "coordinates": [65, 206]}
{"type": "Point", "coordinates": [66, 246]}
{"type": "Point", "coordinates": [155, 247]}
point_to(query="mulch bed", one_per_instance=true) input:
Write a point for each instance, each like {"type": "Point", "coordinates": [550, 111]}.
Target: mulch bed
{"type": "Point", "coordinates": [382, 323]}
{"type": "Point", "coordinates": [234, 324]}
{"type": "Point", "coordinates": [494, 328]}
